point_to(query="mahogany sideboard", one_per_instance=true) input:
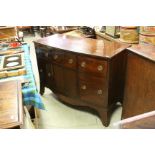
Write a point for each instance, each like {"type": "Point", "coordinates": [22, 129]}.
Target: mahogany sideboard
{"type": "Point", "coordinates": [139, 95]}
{"type": "Point", "coordinates": [83, 71]}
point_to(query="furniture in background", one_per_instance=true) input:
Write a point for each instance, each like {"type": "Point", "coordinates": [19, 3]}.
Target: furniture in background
{"type": "Point", "coordinates": [49, 30]}
{"type": "Point", "coordinates": [11, 106]}
{"type": "Point", "coordinates": [80, 34]}
{"type": "Point", "coordinates": [26, 28]}
{"type": "Point", "coordinates": [83, 72]}
{"type": "Point", "coordinates": [31, 97]}
{"type": "Point", "coordinates": [8, 33]}
{"type": "Point", "coordinates": [139, 94]}
{"type": "Point", "coordinates": [147, 34]}
{"type": "Point", "coordinates": [23, 29]}
{"type": "Point", "coordinates": [88, 31]}
{"type": "Point", "coordinates": [129, 34]}
{"type": "Point", "coordinates": [112, 31]}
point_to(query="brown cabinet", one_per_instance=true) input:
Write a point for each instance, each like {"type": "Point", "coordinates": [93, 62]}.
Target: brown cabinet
{"type": "Point", "coordinates": [85, 72]}
{"type": "Point", "coordinates": [140, 81]}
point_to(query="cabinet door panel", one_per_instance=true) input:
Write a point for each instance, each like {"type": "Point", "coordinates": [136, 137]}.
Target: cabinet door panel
{"type": "Point", "coordinates": [58, 78]}
{"type": "Point", "coordinates": [42, 73]}
{"type": "Point", "coordinates": [70, 82]}
{"type": "Point", "coordinates": [49, 76]}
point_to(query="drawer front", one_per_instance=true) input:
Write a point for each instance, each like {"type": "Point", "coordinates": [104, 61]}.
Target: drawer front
{"type": "Point", "coordinates": [92, 90]}
{"type": "Point", "coordinates": [92, 65]}
{"type": "Point", "coordinates": [92, 93]}
{"type": "Point", "coordinates": [70, 60]}
{"type": "Point", "coordinates": [57, 56]}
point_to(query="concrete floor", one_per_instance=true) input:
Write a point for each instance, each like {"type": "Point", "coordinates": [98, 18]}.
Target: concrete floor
{"type": "Point", "coordinates": [59, 115]}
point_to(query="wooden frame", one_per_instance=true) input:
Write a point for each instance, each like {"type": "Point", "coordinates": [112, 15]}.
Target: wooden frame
{"type": "Point", "coordinates": [4, 59]}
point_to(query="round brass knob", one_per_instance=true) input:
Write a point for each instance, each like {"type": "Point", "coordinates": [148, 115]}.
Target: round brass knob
{"type": "Point", "coordinates": [83, 64]}
{"type": "Point", "coordinates": [55, 57]}
{"type": "Point", "coordinates": [41, 70]}
{"type": "Point", "coordinates": [70, 61]}
{"type": "Point", "coordinates": [99, 92]}
{"type": "Point", "coordinates": [100, 68]}
{"type": "Point", "coordinates": [49, 74]}
{"type": "Point", "coordinates": [84, 87]}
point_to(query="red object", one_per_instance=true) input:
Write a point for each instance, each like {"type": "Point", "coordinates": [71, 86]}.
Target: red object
{"type": "Point", "coordinates": [15, 44]}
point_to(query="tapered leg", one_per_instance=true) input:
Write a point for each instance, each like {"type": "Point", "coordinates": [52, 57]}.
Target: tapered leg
{"type": "Point", "coordinates": [42, 89]}
{"type": "Point", "coordinates": [104, 116]}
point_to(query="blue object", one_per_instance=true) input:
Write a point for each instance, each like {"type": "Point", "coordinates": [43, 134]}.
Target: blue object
{"type": "Point", "coordinates": [29, 90]}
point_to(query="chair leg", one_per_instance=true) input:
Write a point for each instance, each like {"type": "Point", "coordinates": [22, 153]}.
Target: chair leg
{"type": "Point", "coordinates": [36, 118]}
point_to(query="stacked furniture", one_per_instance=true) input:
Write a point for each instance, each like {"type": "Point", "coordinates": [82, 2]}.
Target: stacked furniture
{"type": "Point", "coordinates": [8, 33]}
{"type": "Point", "coordinates": [30, 95]}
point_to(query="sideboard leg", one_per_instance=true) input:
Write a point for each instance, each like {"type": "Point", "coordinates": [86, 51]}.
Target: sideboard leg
{"type": "Point", "coordinates": [104, 116]}
{"type": "Point", "coordinates": [42, 89]}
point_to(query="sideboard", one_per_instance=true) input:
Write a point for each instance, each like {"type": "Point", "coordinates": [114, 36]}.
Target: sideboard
{"type": "Point", "coordinates": [83, 71]}
{"type": "Point", "coordinates": [139, 88]}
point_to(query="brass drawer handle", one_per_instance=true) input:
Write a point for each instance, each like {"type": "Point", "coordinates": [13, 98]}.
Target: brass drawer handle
{"type": "Point", "coordinates": [100, 68]}
{"type": "Point", "coordinates": [83, 64]}
{"type": "Point", "coordinates": [46, 54]}
{"type": "Point", "coordinates": [55, 57]}
{"type": "Point", "coordinates": [70, 61]}
{"type": "Point", "coordinates": [99, 92]}
{"type": "Point", "coordinates": [84, 87]}
{"type": "Point", "coordinates": [49, 74]}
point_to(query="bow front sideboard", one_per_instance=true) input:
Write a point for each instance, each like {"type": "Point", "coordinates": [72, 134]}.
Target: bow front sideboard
{"type": "Point", "coordinates": [83, 71]}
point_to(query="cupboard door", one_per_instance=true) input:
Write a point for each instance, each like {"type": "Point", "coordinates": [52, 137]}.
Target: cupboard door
{"type": "Point", "coordinates": [42, 73]}
{"type": "Point", "coordinates": [70, 83]}
{"type": "Point", "coordinates": [49, 76]}
{"type": "Point", "coordinates": [58, 78]}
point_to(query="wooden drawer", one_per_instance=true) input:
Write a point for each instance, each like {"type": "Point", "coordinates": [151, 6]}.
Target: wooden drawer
{"type": "Point", "coordinates": [92, 65]}
{"type": "Point", "coordinates": [92, 93]}
{"type": "Point", "coordinates": [92, 90]}
{"type": "Point", "coordinates": [57, 56]}
{"type": "Point", "coordinates": [70, 60]}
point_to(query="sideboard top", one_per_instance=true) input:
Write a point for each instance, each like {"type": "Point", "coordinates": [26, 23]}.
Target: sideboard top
{"type": "Point", "coordinates": [103, 48]}
{"type": "Point", "coordinates": [144, 50]}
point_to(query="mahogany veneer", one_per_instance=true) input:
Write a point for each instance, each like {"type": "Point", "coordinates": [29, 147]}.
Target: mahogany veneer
{"type": "Point", "coordinates": [83, 71]}
{"type": "Point", "coordinates": [139, 94]}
